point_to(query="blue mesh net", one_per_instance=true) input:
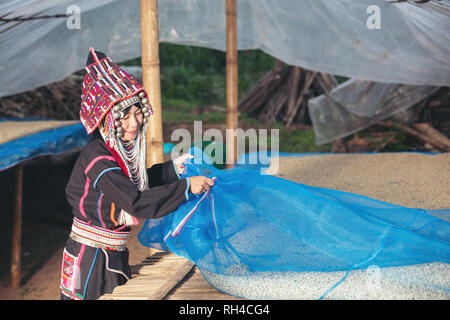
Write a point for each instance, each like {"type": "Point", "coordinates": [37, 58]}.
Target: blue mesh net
{"type": "Point", "coordinates": [255, 224]}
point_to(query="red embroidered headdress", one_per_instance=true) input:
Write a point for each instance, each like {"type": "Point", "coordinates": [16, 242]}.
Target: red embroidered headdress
{"type": "Point", "coordinates": [105, 85]}
{"type": "Point", "coordinates": [108, 91]}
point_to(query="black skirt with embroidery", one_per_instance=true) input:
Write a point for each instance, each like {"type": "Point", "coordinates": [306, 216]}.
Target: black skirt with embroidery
{"type": "Point", "coordinates": [88, 273]}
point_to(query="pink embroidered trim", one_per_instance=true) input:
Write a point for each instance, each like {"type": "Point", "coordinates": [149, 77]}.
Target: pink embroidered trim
{"type": "Point", "coordinates": [86, 189]}
{"type": "Point", "coordinates": [95, 161]}
{"type": "Point", "coordinates": [167, 236]}
{"type": "Point", "coordinates": [80, 256]}
{"type": "Point", "coordinates": [118, 160]}
{"type": "Point", "coordinates": [70, 270]}
{"type": "Point", "coordinates": [88, 181]}
{"type": "Point", "coordinates": [67, 274]}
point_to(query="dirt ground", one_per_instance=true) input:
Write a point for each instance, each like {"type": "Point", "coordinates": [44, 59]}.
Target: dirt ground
{"type": "Point", "coordinates": [44, 284]}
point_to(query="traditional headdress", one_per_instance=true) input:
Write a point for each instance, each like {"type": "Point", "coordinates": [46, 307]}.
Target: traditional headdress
{"type": "Point", "coordinates": [107, 92]}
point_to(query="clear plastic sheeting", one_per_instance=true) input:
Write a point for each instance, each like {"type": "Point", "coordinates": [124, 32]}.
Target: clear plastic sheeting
{"type": "Point", "coordinates": [411, 46]}
{"type": "Point", "coordinates": [37, 52]}
{"type": "Point", "coordinates": [263, 237]}
{"type": "Point", "coordinates": [356, 104]}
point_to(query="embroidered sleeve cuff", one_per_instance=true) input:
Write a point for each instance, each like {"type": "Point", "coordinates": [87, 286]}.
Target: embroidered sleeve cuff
{"type": "Point", "coordinates": [175, 167]}
{"type": "Point", "coordinates": [187, 188]}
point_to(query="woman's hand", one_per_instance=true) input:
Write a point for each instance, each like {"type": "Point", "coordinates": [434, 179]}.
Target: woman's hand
{"type": "Point", "coordinates": [179, 162]}
{"type": "Point", "coordinates": [200, 184]}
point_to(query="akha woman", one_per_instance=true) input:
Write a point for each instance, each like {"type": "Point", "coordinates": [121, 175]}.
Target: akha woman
{"type": "Point", "coordinates": [110, 186]}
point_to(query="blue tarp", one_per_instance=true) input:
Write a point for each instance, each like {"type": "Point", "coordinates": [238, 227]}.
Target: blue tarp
{"type": "Point", "coordinates": [49, 142]}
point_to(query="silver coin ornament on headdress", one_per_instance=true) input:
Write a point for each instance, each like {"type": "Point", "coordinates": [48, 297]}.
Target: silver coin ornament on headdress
{"type": "Point", "coordinates": [132, 152]}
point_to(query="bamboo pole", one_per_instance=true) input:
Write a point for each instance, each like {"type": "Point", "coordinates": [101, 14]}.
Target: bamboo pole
{"type": "Point", "coordinates": [232, 84]}
{"type": "Point", "coordinates": [151, 82]}
{"type": "Point", "coordinates": [151, 79]}
{"type": "Point", "coordinates": [294, 80]}
{"type": "Point", "coordinates": [16, 240]}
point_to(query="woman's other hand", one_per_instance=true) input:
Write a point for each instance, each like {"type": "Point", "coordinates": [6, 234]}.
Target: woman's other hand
{"type": "Point", "coordinates": [179, 162]}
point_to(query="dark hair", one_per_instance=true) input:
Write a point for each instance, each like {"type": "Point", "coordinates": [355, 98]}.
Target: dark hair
{"type": "Point", "coordinates": [127, 109]}
{"type": "Point", "coordinates": [96, 134]}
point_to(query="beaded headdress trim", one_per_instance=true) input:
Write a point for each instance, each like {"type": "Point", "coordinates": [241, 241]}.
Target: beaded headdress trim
{"type": "Point", "coordinates": [105, 85]}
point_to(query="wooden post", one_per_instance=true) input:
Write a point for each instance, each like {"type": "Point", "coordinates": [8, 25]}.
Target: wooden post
{"type": "Point", "coordinates": [151, 82]}
{"type": "Point", "coordinates": [17, 227]}
{"type": "Point", "coordinates": [151, 79]}
{"type": "Point", "coordinates": [232, 84]}
{"type": "Point", "coordinates": [294, 80]}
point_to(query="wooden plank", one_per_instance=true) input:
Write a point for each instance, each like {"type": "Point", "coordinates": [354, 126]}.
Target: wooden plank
{"type": "Point", "coordinates": [170, 278]}
{"type": "Point", "coordinates": [155, 281]}
{"type": "Point", "coordinates": [202, 296]}
{"type": "Point", "coordinates": [150, 269]}
{"type": "Point", "coordinates": [122, 297]}
{"type": "Point", "coordinates": [197, 288]}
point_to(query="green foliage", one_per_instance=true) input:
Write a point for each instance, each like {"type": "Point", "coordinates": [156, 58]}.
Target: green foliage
{"type": "Point", "coordinates": [192, 74]}
{"type": "Point", "coordinates": [193, 87]}
{"type": "Point", "coordinates": [297, 141]}
{"type": "Point", "coordinates": [198, 75]}
{"type": "Point", "coordinates": [402, 143]}
{"type": "Point", "coordinates": [252, 65]}
{"type": "Point", "coordinates": [341, 79]}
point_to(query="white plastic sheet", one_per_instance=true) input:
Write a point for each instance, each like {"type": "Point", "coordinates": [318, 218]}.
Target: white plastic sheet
{"type": "Point", "coordinates": [357, 104]}
{"type": "Point", "coordinates": [411, 47]}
